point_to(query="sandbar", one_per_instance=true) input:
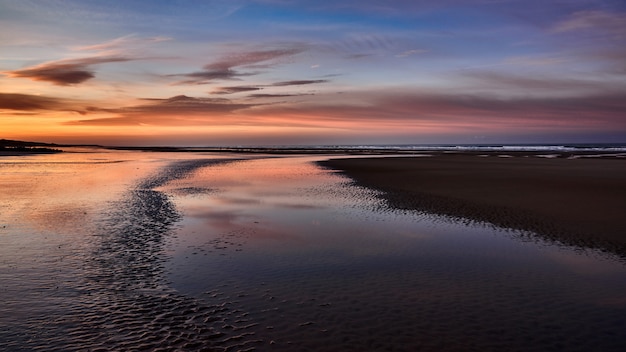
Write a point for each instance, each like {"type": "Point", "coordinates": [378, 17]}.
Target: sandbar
{"type": "Point", "coordinates": [575, 201]}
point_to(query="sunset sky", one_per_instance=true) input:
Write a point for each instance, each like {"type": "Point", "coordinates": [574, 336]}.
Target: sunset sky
{"type": "Point", "coordinates": [274, 72]}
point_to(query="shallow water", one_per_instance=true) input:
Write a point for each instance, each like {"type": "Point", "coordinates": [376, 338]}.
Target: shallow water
{"type": "Point", "coordinates": [130, 251]}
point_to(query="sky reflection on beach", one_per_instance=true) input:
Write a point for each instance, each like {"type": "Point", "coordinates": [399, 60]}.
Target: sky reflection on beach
{"type": "Point", "coordinates": [282, 255]}
{"type": "Point", "coordinates": [315, 262]}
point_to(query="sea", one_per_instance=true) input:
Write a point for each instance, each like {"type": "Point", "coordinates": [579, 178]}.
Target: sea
{"type": "Point", "coordinates": [261, 249]}
{"type": "Point", "coordinates": [583, 148]}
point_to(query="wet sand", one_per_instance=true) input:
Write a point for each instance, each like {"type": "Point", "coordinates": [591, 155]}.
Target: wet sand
{"type": "Point", "coordinates": [576, 201]}
{"type": "Point", "coordinates": [91, 276]}
{"type": "Point", "coordinates": [171, 252]}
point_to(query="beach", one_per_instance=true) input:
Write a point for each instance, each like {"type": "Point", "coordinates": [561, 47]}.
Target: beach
{"type": "Point", "coordinates": [577, 201]}
{"type": "Point", "coordinates": [127, 250]}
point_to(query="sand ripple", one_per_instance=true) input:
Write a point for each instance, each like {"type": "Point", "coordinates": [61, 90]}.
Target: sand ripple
{"type": "Point", "coordinates": [121, 301]}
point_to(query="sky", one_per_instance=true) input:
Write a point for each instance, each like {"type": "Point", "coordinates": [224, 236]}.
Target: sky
{"type": "Point", "coordinates": [291, 72]}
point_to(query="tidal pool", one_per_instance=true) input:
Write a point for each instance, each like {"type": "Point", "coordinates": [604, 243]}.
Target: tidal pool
{"type": "Point", "coordinates": [190, 251]}
{"type": "Point", "coordinates": [314, 263]}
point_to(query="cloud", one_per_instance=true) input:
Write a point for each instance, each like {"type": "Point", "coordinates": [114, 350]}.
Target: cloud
{"type": "Point", "coordinates": [224, 68]}
{"type": "Point", "coordinates": [236, 89]}
{"type": "Point", "coordinates": [240, 89]}
{"type": "Point", "coordinates": [64, 72]}
{"type": "Point", "coordinates": [174, 111]}
{"type": "Point", "coordinates": [298, 82]}
{"type": "Point", "coordinates": [476, 107]}
{"type": "Point", "coordinates": [357, 56]}
{"type": "Point", "coordinates": [75, 71]}
{"type": "Point", "coordinates": [533, 61]}
{"type": "Point", "coordinates": [29, 104]}
{"type": "Point", "coordinates": [358, 46]}
{"type": "Point", "coordinates": [208, 76]}
{"type": "Point", "coordinates": [412, 52]}
{"type": "Point", "coordinates": [26, 102]}
{"type": "Point", "coordinates": [122, 43]}
{"type": "Point", "coordinates": [532, 83]}
{"type": "Point", "coordinates": [251, 57]}
{"type": "Point", "coordinates": [275, 95]}
{"type": "Point", "coordinates": [612, 23]}
{"type": "Point", "coordinates": [364, 42]}
{"type": "Point", "coordinates": [408, 110]}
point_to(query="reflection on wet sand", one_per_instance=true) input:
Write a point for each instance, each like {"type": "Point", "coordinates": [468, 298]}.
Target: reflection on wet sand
{"type": "Point", "coordinates": [158, 251]}
{"type": "Point", "coordinates": [314, 262]}
{"type": "Point", "coordinates": [107, 291]}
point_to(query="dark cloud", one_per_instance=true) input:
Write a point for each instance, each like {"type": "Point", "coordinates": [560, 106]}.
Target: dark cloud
{"type": "Point", "coordinates": [224, 68]}
{"type": "Point", "coordinates": [232, 90]}
{"type": "Point", "coordinates": [64, 72]}
{"type": "Point", "coordinates": [205, 77]}
{"type": "Point", "coordinates": [357, 56]}
{"type": "Point", "coordinates": [239, 89]}
{"type": "Point", "coordinates": [248, 58]}
{"type": "Point", "coordinates": [26, 102]}
{"type": "Point", "coordinates": [178, 110]}
{"type": "Point", "coordinates": [298, 83]}
{"type": "Point", "coordinates": [274, 95]}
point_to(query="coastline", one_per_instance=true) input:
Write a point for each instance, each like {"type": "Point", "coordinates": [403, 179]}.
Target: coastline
{"type": "Point", "coordinates": [23, 153]}
{"type": "Point", "coordinates": [574, 201]}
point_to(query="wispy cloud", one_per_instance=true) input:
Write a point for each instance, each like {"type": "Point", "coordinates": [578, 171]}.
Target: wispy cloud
{"type": "Point", "coordinates": [532, 83]}
{"type": "Point", "coordinates": [174, 111]}
{"type": "Point", "coordinates": [122, 43]}
{"type": "Point", "coordinates": [608, 22]}
{"type": "Point", "coordinates": [224, 68]}
{"type": "Point", "coordinates": [29, 105]}
{"type": "Point", "coordinates": [240, 89]}
{"type": "Point", "coordinates": [533, 61]}
{"type": "Point", "coordinates": [275, 95]}
{"type": "Point", "coordinates": [471, 108]}
{"type": "Point", "coordinates": [236, 89]}
{"type": "Point", "coordinates": [454, 111]}
{"type": "Point", "coordinates": [65, 72]}
{"type": "Point", "coordinates": [27, 102]}
{"type": "Point", "coordinates": [298, 82]}
{"type": "Point", "coordinates": [412, 52]}
{"type": "Point", "coordinates": [365, 42]}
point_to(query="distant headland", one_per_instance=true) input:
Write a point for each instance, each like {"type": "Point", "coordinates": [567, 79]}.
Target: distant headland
{"type": "Point", "coordinates": [11, 147]}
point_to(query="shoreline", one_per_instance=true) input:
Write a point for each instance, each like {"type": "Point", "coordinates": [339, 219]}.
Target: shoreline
{"type": "Point", "coordinates": [28, 152]}
{"type": "Point", "coordinates": [573, 201]}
